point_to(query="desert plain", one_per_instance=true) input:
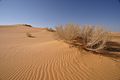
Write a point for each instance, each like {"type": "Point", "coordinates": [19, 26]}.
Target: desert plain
{"type": "Point", "coordinates": [44, 57]}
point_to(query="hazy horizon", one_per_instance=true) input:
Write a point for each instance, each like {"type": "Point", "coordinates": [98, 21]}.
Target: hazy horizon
{"type": "Point", "coordinates": [49, 13]}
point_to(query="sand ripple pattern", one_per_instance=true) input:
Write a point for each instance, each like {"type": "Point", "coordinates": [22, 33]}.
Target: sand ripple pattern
{"type": "Point", "coordinates": [61, 65]}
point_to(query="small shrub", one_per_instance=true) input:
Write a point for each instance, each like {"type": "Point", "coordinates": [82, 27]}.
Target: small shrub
{"type": "Point", "coordinates": [50, 30]}
{"type": "Point", "coordinates": [29, 35]}
{"type": "Point", "coordinates": [27, 25]}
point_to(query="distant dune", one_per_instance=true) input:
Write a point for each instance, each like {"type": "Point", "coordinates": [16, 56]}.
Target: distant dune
{"type": "Point", "coordinates": [45, 58]}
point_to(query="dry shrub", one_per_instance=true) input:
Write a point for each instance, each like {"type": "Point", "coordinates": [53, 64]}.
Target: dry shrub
{"type": "Point", "coordinates": [88, 37]}
{"type": "Point", "coordinates": [68, 32]}
{"type": "Point", "coordinates": [94, 38]}
{"type": "Point", "coordinates": [30, 35]}
{"type": "Point", "coordinates": [50, 30]}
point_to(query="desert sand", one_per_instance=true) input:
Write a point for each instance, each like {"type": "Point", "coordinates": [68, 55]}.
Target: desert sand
{"type": "Point", "coordinates": [46, 58]}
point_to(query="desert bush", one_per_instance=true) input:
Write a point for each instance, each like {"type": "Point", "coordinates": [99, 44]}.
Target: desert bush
{"type": "Point", "coordinates": [94, 38]}
{"type": "Point", "coordinates": [24, 25]}
{"type": "Point", "coordinates": [88, 37]}
{"type": "Point", "coordinates": [68, 32]}
{"type": "Point", "coordinates": [29, 35]}
{"type": "Point", "coordinates": [50, 29]}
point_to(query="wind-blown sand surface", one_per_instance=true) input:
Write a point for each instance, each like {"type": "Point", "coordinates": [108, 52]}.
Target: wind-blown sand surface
{"type": "Point", "coordinates": [45, 58]}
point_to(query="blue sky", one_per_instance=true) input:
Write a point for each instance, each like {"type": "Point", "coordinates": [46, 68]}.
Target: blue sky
{"type": "Point", "coordinates": [49, 13]}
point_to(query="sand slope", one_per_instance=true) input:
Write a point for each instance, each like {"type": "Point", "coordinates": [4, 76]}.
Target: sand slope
{"type": "Point", "coordinates": [45, 58]}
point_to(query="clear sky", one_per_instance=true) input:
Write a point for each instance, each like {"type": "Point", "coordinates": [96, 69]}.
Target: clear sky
{"type": "Point", "coordinates": [49, 13]}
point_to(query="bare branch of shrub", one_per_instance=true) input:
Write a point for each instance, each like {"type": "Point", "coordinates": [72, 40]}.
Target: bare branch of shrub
{"type": "Point", "coordinates": [94, 38]}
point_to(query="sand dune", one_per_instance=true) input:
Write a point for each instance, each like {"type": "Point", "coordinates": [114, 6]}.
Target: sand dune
{"type": "Point", "coordinates": [45, 58]}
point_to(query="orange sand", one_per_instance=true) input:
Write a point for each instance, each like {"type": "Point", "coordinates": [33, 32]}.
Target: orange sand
{"type": "Point", "coordinates": [45, 58]}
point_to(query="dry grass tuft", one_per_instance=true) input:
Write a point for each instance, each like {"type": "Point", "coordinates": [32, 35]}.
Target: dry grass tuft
{"type": "Point", "coordinates": [88, 37]}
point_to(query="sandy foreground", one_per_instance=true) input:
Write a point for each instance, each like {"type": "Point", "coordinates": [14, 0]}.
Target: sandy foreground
{"type": "Point", "coordinates": [45, 58]}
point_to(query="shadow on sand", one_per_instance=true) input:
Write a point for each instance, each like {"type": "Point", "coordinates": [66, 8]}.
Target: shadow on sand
{"type": "Point", "coordinates": [113, 50]}
{"type": "Point", "coordinates": [113, 46]}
